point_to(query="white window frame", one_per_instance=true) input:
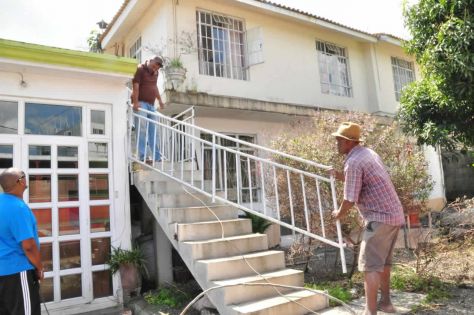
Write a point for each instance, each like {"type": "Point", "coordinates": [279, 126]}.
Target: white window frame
{"type": "Point", "coordinates": [135, 50]}
{"type": "Point", "coordinates": [403, 74]}
{"type": "Point", "coordinates": [334, 71]}
{"type": "Point", "coordinates": [222, 45]}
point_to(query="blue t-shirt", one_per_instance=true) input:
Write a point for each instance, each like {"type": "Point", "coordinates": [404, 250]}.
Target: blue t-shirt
{"type": "Point", "coordinates": [17, 223]}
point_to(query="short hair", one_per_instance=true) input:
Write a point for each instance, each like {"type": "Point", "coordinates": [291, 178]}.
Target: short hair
{"type": "Point", "coordinates": [8, 178]}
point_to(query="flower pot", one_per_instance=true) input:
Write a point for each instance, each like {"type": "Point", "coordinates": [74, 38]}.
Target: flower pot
{"type": "Point", "coordinates": [176, 76]}
{"type": "Point", "coordinates": [130, 278]}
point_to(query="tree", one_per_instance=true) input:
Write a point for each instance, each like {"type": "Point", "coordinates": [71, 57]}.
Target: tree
{"type": "Point", "coordinates": [439, 109]}
{"type": "Point", "coordinates": [94, 41]}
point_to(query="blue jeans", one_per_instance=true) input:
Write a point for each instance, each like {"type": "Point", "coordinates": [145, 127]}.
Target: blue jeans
{"type": "Point", "coordinates": [142, 144]}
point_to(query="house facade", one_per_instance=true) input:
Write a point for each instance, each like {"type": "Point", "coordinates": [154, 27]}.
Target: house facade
{"type": "Point", "coordinates": [253, 66]}
{"type": "Point", "coordinates": [63, 122]}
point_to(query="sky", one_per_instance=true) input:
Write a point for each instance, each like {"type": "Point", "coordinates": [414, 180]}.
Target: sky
{"type": "Point", "coordinates": [67, 23]}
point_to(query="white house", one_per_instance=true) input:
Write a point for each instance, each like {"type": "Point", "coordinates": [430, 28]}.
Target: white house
{"type": "Point", "coordinates": [257, 64]}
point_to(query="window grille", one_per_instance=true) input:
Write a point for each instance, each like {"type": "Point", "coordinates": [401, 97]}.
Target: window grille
{"type": "Point", "coordinates": [403, 74]}
{"type": "Point", "coordinates": [334, 69]}
{"type": "Point", "coordinates": [221, 41]}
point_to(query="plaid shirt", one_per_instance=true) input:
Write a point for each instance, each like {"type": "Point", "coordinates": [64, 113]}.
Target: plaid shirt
{"type": "Point", "coordinates": [368, 184]}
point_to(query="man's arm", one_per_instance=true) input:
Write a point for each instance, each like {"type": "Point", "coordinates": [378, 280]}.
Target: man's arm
{"type": "Point", "coordinates": [33, 255]}
{"type": "Point", "coordinates": [343, 209]}
{"type": "Point", "coordinates": [135, 93]}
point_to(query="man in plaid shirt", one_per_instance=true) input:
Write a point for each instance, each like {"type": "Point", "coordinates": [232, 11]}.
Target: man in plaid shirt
{"type": "Point", "coordinates": [367, 184]}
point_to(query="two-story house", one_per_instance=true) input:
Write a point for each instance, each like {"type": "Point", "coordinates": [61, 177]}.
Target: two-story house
{"type": "Point", "coordinates": [256, 65]}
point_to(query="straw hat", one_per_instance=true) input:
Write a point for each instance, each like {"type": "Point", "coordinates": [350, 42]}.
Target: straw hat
{"type": "Point", "coordinates": [348, 130]}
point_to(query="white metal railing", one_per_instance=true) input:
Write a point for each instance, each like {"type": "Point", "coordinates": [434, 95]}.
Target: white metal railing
{"type": "Point", "coordinates": [251, 178]}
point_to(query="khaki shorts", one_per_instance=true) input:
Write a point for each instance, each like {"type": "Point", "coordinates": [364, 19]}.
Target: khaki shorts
{"type": "Point", "coordinates": [377, 246]}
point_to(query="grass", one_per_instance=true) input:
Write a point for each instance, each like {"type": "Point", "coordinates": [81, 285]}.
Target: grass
{"type": "Point", "coordinates": [168, 296]}
{"type": "Point", "coordinates": [405, 279]}
{"type": "Point", "coordinates": [334, 290]}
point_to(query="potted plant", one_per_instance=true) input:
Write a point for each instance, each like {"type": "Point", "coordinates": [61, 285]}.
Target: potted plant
{"type": "Point", "coordinates": [175, 71]}
{"type": "Point", "coordinates": [130, 264]}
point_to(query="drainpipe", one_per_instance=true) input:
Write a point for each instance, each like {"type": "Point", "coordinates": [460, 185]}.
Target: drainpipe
{"type": "Point", "coordinates": [175, 29]}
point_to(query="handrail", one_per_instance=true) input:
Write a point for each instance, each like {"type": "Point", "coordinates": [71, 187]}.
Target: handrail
{"type": "Point", "coordinates": [250, 182]}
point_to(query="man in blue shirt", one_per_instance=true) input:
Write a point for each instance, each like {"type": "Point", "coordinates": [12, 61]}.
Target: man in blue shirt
{"type": "Point", "coordinates": [20, 261]}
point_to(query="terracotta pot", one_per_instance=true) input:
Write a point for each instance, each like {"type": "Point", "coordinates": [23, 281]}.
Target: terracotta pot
{"type": "Point", "coordinates": [130, 277]}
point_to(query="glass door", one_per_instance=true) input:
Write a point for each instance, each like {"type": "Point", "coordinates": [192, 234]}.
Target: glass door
{"type": "Point", "coordinates": [57, 191]}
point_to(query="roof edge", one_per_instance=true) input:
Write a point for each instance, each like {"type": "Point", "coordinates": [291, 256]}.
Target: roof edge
{"type": "Point", "coordinates": [15, 50]}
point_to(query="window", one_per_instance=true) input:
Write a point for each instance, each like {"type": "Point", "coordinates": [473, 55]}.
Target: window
{"type": "Point", "coordinates": [54, 120]}
{"type": "Point", "coordinates": [136, 50]}
{"type": "Point", "coordinates": [221, 46]}
{"type": "Point", "coordinates": [333, 69]}
{"type": "Point", "coordinates": [8, 117]}
{"type": "Point", "coordinates": [233, 168]}
{"type": "Point", "coordinates": [403, 74]}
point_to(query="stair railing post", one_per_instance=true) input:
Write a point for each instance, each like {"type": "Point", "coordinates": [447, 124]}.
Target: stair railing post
{"type": "Point", "coordinates": [213, 168]}
{"type": "Point", "coordinates": [338, 225]}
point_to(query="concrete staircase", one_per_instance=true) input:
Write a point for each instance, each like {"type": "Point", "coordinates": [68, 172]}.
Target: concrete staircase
{"type": "Point", "coordinates": [220, 250]}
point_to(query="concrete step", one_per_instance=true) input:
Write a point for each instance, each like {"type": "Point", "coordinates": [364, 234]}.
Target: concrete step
{"type": "Point", "coordinates": [224, 247]}
{"type": "Point", "coordinates": [211, 229]}
{"type": "Point", "coordinates": [240, 265]}
{"type": "Point", "coordinates": [172, 186]}
{"type": "Point", "coordinates": [241, 293]}
{"type": "Point", "coordinates": [148, 173]}
{"type": "Point", "coordinates": [184, 200]}
{"type": "Point", "coordinates": [285, 305]}
{"type": "Point", "coordinates": [200, 214]}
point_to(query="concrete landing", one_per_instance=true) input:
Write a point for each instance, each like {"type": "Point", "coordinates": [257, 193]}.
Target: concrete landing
{"type": "Point", "coordinates": [404, 302]}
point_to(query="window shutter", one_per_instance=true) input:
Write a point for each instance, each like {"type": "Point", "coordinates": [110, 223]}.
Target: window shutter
{"type": "Point", "coordinates": [254, 46]}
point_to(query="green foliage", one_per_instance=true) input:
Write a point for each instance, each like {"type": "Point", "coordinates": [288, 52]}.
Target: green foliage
{"type": "Point", "coordinates": [406, 279]}
{"type": "Point", "coordinates": [94, 42]}
{"type": "Point", "coordinates": [176, 63]}
{"type": "Point", "coordinates": [121, 256]}
{"type": "Point", "coordinates": [333, 289]}
{"type": "Point", "coordinates": [439, 109]}
{"type": "Point", "coordinates": [312, 140]}
{"type": "Point", "coordinates": [168, 296]}
{"type": "Point", "coordinates": [259, 224]}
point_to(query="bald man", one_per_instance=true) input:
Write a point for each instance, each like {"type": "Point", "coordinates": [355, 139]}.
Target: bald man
{"type": "Point", "coordinates": [20, 262]}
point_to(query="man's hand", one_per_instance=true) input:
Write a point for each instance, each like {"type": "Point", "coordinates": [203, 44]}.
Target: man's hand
{"type": "Point", "coordinates": [136, 106]}
{"type": "Point", "coordinates": [162, 106]}
{"type": "Point", "coordinates": [40, 274]}
{"type": "Point", "coordinates": [336, 214]}
{"type": "Point", "coordinates": [343, 209]}
{"type": "Point", "coordinates": [336, 174]}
